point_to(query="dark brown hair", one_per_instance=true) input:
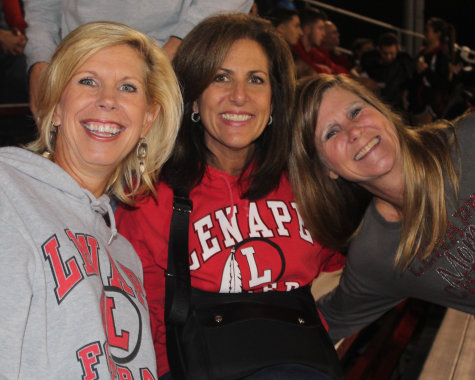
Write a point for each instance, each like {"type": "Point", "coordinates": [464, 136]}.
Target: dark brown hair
{"type": "Point", "coordinates": [199, 57]}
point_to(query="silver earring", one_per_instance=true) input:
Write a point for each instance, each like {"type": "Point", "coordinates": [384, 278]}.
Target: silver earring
{"type": "Point", "coordinates": [270, 120]}
{"type": "Point", "coordinates": [142, 154]}
{"type": "Point", "coordinates": [195, 117]}
{"type": "Point", "coordinates": [52, 134]}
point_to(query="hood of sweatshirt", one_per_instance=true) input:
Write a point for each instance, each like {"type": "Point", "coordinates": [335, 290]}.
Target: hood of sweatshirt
{"type": "Point", "coordinates": [36, 168]}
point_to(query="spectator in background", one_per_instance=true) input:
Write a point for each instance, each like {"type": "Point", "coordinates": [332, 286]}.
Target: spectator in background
{"type": "Point", "coordinates": [358, 48]}
{"type": "Point", "coordinates": [431, 86]}
{"type": "Point", "coordinates": [391, 69]}
{"type": "Point", "coordinates": [331, 46]}
{"type": "Point", "coordinates": [307, 49]}
{"type": "Point", "coordinates": [167, 22]}
{"type": "Point", "coordinates": [13, 88]}
{"type": "Point", "coordinates": [287, 23]}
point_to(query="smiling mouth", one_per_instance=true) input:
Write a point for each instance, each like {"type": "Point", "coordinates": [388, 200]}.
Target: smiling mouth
{"type": "Point", "coordinates": [236, 117]}
{"type": "Point", "coordinates": [102, 129]}
{"type": "Point", "coordinates": [367, 148]}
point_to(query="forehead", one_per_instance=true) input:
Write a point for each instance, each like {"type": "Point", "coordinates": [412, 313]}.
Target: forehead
{"type": "Point", "coordinates": [246, 52]}
{"type": "Point", "coordinates": [294, 20]}
{"type": "Point", "coordinates": [334, 101]}
{"type": "Point", "coordinates": [389, 48]}
{"type": "Point", "coordinates": [331, 28]}
{"type": "Point", "coordinates": [319, 24]}
{"type": "Point", "coordinates": [116, 57]}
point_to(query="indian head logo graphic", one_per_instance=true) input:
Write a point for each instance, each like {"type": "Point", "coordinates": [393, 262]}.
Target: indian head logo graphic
{"type": "Point", "coordinates": [248, 268]}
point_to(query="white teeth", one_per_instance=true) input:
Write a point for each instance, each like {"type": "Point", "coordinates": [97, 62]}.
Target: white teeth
{"type": "Point", "coordinates": [235, 117]}
{"type": "Point", "coordinates": [102, 129]}
{"type": "Point", "coordinates": [367, 148]}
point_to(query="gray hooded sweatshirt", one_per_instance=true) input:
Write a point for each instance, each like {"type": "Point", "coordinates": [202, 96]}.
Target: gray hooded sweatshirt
{"type": "Point", "coordinates": [72, 304]}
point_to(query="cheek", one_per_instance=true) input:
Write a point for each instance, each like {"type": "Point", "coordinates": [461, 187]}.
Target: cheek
{"type": "Point", "coordinates": [331, 154]}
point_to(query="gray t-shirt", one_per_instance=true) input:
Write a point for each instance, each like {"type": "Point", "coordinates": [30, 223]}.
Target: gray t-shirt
{"type": "Point", "coordinates": [370, 284]}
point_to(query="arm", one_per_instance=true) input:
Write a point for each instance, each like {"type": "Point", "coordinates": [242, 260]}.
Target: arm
{"type": "Point", "coordinates": [43, 33]}
{"type": "Point", "coordinates": [145, 235]}
{"type": "Point", "coordinates": [353, 305]}
{"type": "Point", "coordinates": [13, 15]}
{"type": "Point", "coordinates": [12, 42]}
{"type": "Point", "coordinates": [15, 298]}
{"type": "Point", "coordinates": [200, 9]}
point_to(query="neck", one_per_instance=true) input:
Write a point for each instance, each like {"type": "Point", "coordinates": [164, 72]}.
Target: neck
{"type": "Point", "coordinates": [389, 195]}
{"type": "Point", "coordinates": [431, 45]}
{"type": "Point", "coordinates": [306, 43]}
{"type": "Point", "coordinates": [94, 182]}
{"type": "Point", "coordinates": [233, 167]}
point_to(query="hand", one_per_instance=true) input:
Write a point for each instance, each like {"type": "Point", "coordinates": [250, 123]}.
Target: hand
{"type": "Point", "coordinates": [36, 73]}
{"type": "Point", "coordinates": [12, 41]}
{"type": "Point", "coordinates": [171, 46]}
{"type": "Point", "coordinates": [421, 65]}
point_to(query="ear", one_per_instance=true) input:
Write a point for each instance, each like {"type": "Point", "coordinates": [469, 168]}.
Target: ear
{"type": "Point", "coordinates": [57, 115]}
{"type": "Point", "coordinates": [281, 28]}
{"type": "Point", "coordinates": [195, 107]}
{"type": "Point", "coordinates": [332, 174]}
{"type": "Point", "coordinates": [150, 116]}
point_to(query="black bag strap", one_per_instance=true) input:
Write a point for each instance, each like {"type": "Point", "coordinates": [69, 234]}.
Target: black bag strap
{"type": "Point", "coordinates": [177, 283]}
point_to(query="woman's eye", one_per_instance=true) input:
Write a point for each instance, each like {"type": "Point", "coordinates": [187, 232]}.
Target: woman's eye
{"type": "Point", "coordinates": [87, 81]}
{"type": "Point", "coordinates": [355, 112]}
{"type": "Point", "coordinates": [220, 78]}
{"type": "Point", "coordinates": [330, 134]}
{"type": "Point", "coordinates": [128, 87]}
{"type": "Point", "coordinates": [256, 79]}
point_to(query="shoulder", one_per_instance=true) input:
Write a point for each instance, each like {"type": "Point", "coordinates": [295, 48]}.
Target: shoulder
{"type": "Point", "coordinates": [465, 132]}
{"type": "Point", "coordinates": [148, 213]}
{"type": "Point", "coordinates": [466, 123]}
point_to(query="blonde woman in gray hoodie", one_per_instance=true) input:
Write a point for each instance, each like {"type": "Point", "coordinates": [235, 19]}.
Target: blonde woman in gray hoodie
{"type": "Point", "coordinates": [72, 303]}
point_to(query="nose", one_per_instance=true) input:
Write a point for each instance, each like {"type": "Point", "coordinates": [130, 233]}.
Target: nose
{"type": "Point", "coordinates": [238, 93]}
{"type": "Point", "coordinates": [354, 132]}
{"type": "Point", "coordinates": [300, 32]}
{"type": "Point", "coordinates": [106, 99]}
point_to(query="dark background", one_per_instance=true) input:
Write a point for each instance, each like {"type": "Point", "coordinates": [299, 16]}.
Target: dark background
{"type": "Point", "coordinates": [460, 13]}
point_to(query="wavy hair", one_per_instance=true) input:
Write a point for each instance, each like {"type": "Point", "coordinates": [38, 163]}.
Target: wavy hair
{"type": "Point", "coordinates": [161, 88]}
{"type": "Point", "coordinates": [198, 58]}
{"type": "Point", "coordinates": [333, 209]}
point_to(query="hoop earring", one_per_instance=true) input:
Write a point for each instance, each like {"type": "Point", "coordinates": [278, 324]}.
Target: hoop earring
{"type": "Point", "coordinates": [142, 154]}
{"type": "Point", "coordinates": [195, 117]}
{"type": "Point", "coordinates": [270, 120]}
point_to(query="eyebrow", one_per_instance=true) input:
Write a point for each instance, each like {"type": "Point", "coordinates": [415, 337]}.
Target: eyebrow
{"type": "Point", "coordinates": [94, 73]}
{"type": "Point", "coordinates": [249, 72]}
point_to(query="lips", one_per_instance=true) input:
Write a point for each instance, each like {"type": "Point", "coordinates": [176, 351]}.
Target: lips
{"type": "Point", "coordinates": [102, 129]}
{"type": "Point", "coordinates": [362, 153]}
{"type": "Point", "coordinates": [236, 116]}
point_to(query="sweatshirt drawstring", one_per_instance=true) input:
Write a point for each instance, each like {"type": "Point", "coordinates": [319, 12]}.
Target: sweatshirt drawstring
{"type": "Point", "coordinates": [102, 206]}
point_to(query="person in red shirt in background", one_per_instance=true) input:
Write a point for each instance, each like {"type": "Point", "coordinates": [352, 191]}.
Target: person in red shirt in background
{"type": "Point", "coordinates": [307, 49]}
{"type": "Point", "coordinates": [287, 23]}
{"type": "Point", "coordinates": [13, 88]}
{"type": "Point", "coordinates": [331, 46]}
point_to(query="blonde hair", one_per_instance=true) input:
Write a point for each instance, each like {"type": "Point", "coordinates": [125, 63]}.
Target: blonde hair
{"type": "Point", "coordinates": [161, 88]}
{"type": "Point", "coordinates": [333, 209]}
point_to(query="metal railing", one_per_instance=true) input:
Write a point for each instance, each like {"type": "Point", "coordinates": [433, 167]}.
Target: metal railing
{"type": "Point", "coordinates": [467, 54]}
